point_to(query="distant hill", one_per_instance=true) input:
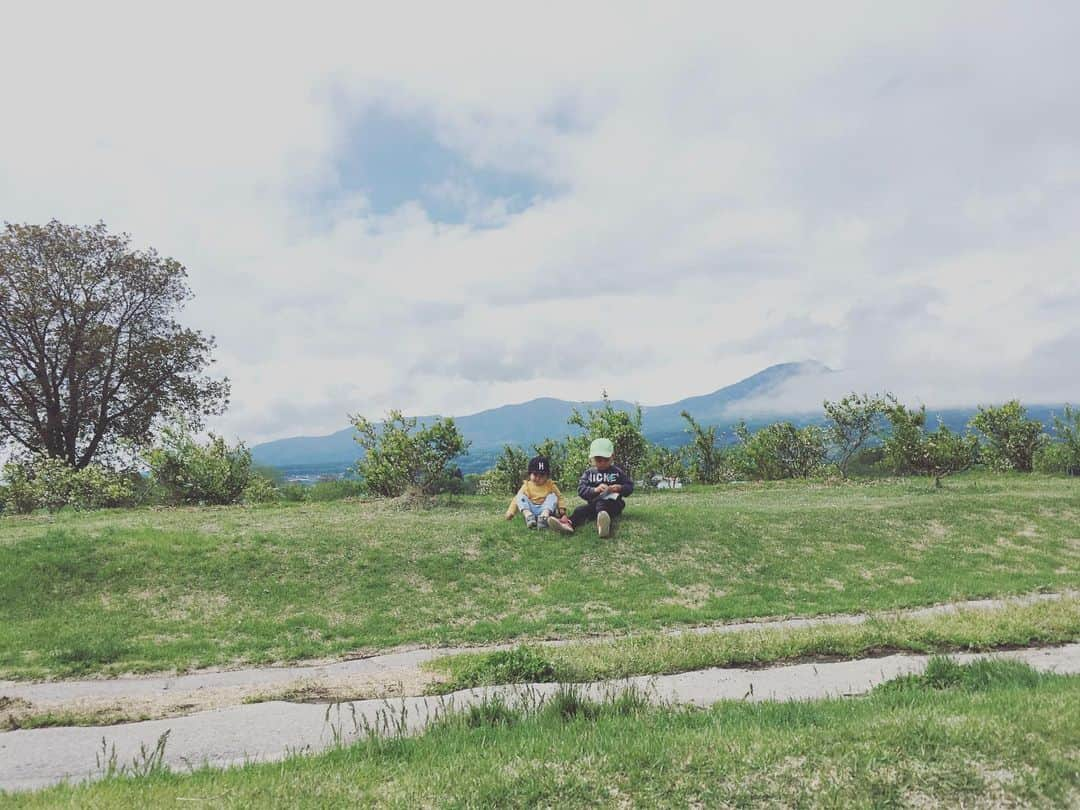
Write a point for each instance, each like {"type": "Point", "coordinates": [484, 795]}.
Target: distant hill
{"type": "Point", "coordinates": [530, 422]}
{"type": "Point", "coordinates": [527, 423]}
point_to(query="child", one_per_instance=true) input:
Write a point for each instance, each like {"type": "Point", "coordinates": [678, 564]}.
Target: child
{"type": "Point", "coordinates": [603, 486]}
{"type": "Point", "coordinates": [539, 499]}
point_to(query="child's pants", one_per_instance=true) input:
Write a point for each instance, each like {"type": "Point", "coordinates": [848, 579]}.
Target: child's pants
{"type": "Point", "coordinates": [550, 504]}
{"type": "Point", "coordinates": [586, 513]}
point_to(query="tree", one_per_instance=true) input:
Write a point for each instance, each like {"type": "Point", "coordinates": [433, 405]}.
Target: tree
{"type": "Point", "coordinates": [511, 468]}
{"type": "Point", "coordinates": [851, 423]}
{"type": "Point", "coordinates": [397, 460]}
{"type": "Point", "coordinates": [1012, 438]}
{"type": "Point", "coordinates": [706, 459]}
{"type": "Point", "coordinates": [1062, 454]}
{"type": "Point", "coordinates": [624, 429]}
{"type": "Point", "coordinates": [90, 353]}
{"type": "Point", "coordinates": [780, 450]}
{"type": "Point", "coordinates": [911, 448]}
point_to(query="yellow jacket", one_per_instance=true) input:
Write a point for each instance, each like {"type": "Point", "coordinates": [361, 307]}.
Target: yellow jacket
{"type": "Point", "coordinates": [536, 493]}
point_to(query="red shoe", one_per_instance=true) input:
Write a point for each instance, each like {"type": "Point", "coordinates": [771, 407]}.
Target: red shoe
{"type": "Point", "coordinates": [562, 524]}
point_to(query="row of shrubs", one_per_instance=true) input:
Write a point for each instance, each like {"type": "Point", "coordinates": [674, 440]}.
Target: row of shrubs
{"type": "Point", "coordinates": [861, 433]}
{"type": "Point", "coordinates": [180, 470]}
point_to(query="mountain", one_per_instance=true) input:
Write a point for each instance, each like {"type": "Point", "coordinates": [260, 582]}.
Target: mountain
{"type": "Point", "coordinates": [529, 422]}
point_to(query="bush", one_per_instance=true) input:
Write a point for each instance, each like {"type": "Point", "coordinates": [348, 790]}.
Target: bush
{"type": "Point", "coordinates": [398, 458]}
{"type": "Point", "coordinates": [1061, 453]}
{"type": "Point", "coordinates": [851, 423]}
{"type": "Point", "coordinates": [259, 490]}
{"type": "Point", "coordinates": [780, 450]}
{"type": "Point", "coordinates": [706, 459]}
{"type": "Point", "coordinates": [511, 468]}
{"type": "Point", "coordinates": [668, 464]}
{"type": "Point", "coordinates": [189, 472]}
{"type": "Point", "coordinates": [624, 430]}
{"type": "Point", "coordinates": [1012, 438]}
{"type": "Point", "coordinates": [50, 483]}
{"type": "Point", "coordinates": [910, 448]}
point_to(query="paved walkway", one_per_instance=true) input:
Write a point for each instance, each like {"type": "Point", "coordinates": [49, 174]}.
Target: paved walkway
{"type": "Point", "coordinates": [393, 674]}
{"type": "Point", "coordinates": [269, 731]}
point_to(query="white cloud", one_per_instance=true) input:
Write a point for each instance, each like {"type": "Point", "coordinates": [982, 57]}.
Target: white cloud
{"type": "Point", "coordinates": [892, 191]}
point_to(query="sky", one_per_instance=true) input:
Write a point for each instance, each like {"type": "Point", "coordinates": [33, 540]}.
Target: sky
{"type": "Point", "coordinates": [448, 207]}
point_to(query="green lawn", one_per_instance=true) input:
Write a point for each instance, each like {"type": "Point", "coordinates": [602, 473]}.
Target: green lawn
{"type": "Point", "coordinates": [986, 735]}
{"type": "Point", "coordinates": [143, 590]}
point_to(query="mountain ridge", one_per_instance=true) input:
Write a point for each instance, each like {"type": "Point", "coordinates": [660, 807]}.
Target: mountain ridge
{"type": "Point", "coordinates": [529, 422]}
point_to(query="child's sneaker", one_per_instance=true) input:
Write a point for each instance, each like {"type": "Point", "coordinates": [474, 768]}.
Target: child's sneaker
{"type": "Point", "coordinates": [544, 519]}
{"type": "Point", "coordinates": [530, 520]}
{"type": "Point", "coordinates": [562, 524]}
{"type": "Point", "coordinates": [603, 524]}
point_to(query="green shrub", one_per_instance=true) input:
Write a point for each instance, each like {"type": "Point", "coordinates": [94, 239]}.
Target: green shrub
{"type": "Point", "coordinates": [706, 458]}
{"type": "Point", "coordinates": [1061, 454]}
{"type": "Point", "coordinates": [1012, 440]}
{"type": "Point", "coordinates": [911, 448]}
{"type": "Point", "coordinates": [50, 483]}
{"type": "Point", "coordinates": [852, 421]}
{"type": "Point", "coordinates": [669, 465]}
{"type": "Point", "coordinates": [780, 450]}
{"type": "Point", "coordinates": [189, 472]}
{"type": "Point", "coordinates": [624, 429]}
{"type": "Point", "coordinates": [511, 468]}
{"type": "Point", "coordinates": [399, 458]}
{"type": "Point", "coordinates": [259, 490]}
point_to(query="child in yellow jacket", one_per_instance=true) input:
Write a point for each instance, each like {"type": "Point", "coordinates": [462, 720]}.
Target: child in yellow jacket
{"type": "Point", "coordinates": [539, 499]}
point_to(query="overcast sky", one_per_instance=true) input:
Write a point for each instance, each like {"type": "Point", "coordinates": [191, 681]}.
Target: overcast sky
{"type": "Point", "coordinates": [447, 207]}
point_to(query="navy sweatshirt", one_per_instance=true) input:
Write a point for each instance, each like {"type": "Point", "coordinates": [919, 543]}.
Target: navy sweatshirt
{"type": "Point", "coordinates": [612, 475]}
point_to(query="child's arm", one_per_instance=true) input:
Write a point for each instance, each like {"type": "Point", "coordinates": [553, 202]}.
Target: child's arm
{"type": "Point", "coordinates": [512, 509]}
{"type": "Point", "coordinates": [586, 492]}
{"type": "Point", "coordinates": [562, 503]}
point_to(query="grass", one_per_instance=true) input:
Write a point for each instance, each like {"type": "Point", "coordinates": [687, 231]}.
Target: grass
{"type": "Point", "coordinates": [659, 654]}
{"type": "Point", "coordinates": [990, 734]}
{"type": "Point", "coordinates": [145, 590]}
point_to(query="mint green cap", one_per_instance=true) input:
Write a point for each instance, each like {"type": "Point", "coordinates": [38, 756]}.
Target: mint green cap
{"type": "Point", "coordinates": [601, 448]}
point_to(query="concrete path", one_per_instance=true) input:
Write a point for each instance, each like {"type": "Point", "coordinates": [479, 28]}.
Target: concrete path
{"type": "Point", "coordinates": [393, 674]}
{"type": "Point", "coordinates": [269, 731]}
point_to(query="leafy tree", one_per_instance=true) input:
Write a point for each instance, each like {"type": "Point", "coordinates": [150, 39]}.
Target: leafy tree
{"type": "Point", "coordinates": [211, 473]}
{"type": "Point", "coordinates": [624, 429]}
{"type": "Point", "coordinates": [91, 355]}
{"type": "Point", "coordinates": [706, 459]}
{"type": "Point", "coordinates": [780, 450]}
{"type": "Point", "coordinates": [397, 459]}
{"type": "Point", "coordinates": [511, 468]}
{"type": "Point", "coordinates": [1062, 453]}
{"type": "Point", "coordinates": [1012, 438]}
{"type": "Point", "coordinates": [851, 423]}
{"type": "Point", "coordinates": [912, 448]}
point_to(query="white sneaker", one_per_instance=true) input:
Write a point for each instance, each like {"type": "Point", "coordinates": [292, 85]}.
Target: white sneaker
{"type": "Point", "coordinates": [544, 519]}
{"type": "Point", "coordinates": [603, 524]}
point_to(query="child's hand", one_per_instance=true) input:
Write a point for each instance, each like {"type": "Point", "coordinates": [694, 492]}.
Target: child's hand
{"type": "Point", "coordinates": [601, 488]}
{"type": "Point", "coordinates": [509, 515]}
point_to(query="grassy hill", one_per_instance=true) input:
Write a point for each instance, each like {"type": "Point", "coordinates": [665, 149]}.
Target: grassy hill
{"type": "Point", "coordinates": [140, 590]}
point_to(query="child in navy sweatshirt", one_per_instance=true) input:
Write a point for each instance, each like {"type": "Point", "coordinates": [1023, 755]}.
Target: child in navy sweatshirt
{"type": "Point", "coordinates": [604, 487]}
